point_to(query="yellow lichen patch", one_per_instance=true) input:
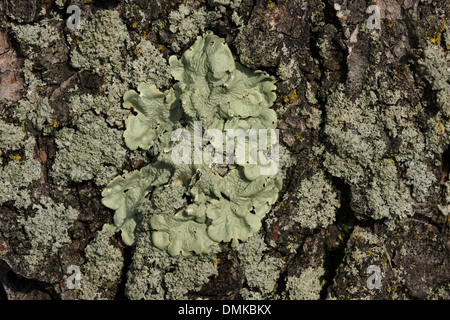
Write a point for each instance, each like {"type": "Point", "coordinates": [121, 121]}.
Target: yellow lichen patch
{"type": "Point", "coordinates": [392, 161]}
{"type": "Point", "coordinates": [270, 5]}
{"type": "Point", "coordinates": [138, 51]}
{"type": "Point", "coordinates": [216, 262]}
{"type": "Point", "coordinates": [437, 38]}
{"type": "Point", "coordinates": [292, 97]}
{"type": "Point", "coordinates": [15, 157]}
{"type": "Point", "coordinates": [441, 128]}
{"type": "Point", "coordinates": [54, 124]}
{"type": "Point", "coordinates": [134, 25]}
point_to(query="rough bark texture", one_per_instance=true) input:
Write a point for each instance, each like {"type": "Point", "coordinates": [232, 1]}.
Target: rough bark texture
{"type": "Point", "coordinates": [364, 121]}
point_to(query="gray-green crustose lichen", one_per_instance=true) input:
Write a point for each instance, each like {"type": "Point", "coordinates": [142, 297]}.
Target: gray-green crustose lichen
{"type": "Point", "coordinates": [18, 168]}
{"type": "Point", "coordinates": [102, 269]}
{"type": "Point", "coordinates": [40, 37]}
{"type": "Point", "coordinates": [317, 204]}
{"type": "Point", "coordinates": [186, 23]}
{"type": "Point", "coordinates": [92, 152]}
{"type": "Point", "coordinates": [261, 270]}
{"type": "Point", "coordinates": [227, 201]}
{"type": "Point", "coordinates": [358, 153]}
{"type": "Point", "coordinates": [97, 51]}
{"type": "Point", "coordinates": [436, 68]}
{"type": "Point", "coordinates": [47, 230]}
{"type": "Point", "coordinates": [306, 286]}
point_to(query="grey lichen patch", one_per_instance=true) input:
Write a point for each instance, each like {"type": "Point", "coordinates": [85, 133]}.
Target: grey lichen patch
{"type": "Point", "coordinates": [307, 286]}
{"type": "Point", "coordinates": [186, 23]}
{"type": "Point", "coordinates": [317, 202]}
{"type": "Point", "coordinates": [105, 106]}
{"type": "Point", "coordinates": [261, 270]}
{"type": "Point", "coordinates": [190, 274]}
{"type": "Point", "coordinates": [47, 231]}
{"type": "Point", "coordinates": [387, 181]}
{"type": "Point", "coordinates": [436, 68]}
{"type": "Point", "coordinates": [18, 168]}
{"type": "Point", "coordinates": [102, 270]}
{"type": "Point", "coordinates": [43, 46]}
{"type": "Point", "coordinates": [149, 66]}
{"type": "Point", "coordinates": [92, 152]}
{"type": "Point", "coordinates": [99, 45]}
{"type": "Point", "coordinates": [40, 34]}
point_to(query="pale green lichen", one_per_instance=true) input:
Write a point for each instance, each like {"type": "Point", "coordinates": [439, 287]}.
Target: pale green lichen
{"type": "Point", "coordinates": [47, 230]}
{"type": "Point", "coordinates": [261, 270]}
{"type": "Point", "coordinates": [317, 204]}
{"type": "Point", "coordinates": [18, 168]}
{"type": "Point", "coordinates": [306, 286]}
{"type": "Point", "coordinates": [227, 201]}
{"type": "Point", "coordinates": [102, 270]}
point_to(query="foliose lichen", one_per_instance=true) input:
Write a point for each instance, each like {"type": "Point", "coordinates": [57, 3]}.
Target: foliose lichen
{"type": "Point", "coordinates": [154, 274]}
{"type": "Point", "coordinates": [226, 199]}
